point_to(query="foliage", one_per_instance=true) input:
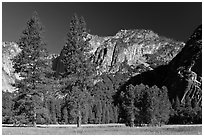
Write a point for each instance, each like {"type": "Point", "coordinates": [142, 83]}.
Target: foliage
{"type": "Point", "coordinates": [66, 99]}
{"type": "Point", "coordinates": [31, 66]}
{"type": "Point", "coordinates": [158, 106]}
{"type": "Point", "coordinates": [7, 106]}
{"type": "Point", "coordinates": [144, 105]}
{"type": "Point", "coordinates": [77, 96]}
{"type": "Point", "coordinates": [78, 69]}
{"type": "Point", "coordinates": [189, 112]}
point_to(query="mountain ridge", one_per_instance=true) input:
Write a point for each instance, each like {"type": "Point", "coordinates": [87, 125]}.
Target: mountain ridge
{"type": "Point", "coordinates": [140, 50]}
{"type": "Point", "coordinates": [137, 47]}
{"type": "Point", "coordinates": [182, 75]}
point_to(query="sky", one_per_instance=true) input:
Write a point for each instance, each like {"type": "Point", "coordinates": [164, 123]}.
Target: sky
{"type": "Point", "coordinates": [172, 20]}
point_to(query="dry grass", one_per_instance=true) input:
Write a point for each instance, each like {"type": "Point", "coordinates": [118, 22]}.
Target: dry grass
{"type": "Point", "coordinates": [104, 130]}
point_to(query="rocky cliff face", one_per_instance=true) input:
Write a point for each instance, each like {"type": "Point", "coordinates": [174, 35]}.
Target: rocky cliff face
{"type": "Point", "coordinates": [186, 69]}
{"type": "Point", "coordinates": [9, 50]}
{"type": "Point", "coordinates": [145, 52]}
{"type": "Point", "coordinates": [136, 48]}
{"type": "Point", "coordinates": [182, 75]}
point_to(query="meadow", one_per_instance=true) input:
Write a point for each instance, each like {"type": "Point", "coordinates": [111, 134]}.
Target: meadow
{"type": "Point", "coordinates": [104, 130]}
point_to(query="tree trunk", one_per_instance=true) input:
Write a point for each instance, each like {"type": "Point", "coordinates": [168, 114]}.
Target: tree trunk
{"type": "Point", "coordinates": [79, 118]}
{"type": "Point", "coordinates": [34, 119]}
{"type": "Point", "coordinates": [132, 114]}
{"type": "Point", "coordinates": [132, 122]}
{"type": "Point", "coordinates": [132, 119]}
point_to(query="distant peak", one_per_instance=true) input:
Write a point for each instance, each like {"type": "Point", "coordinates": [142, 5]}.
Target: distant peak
{"type": "Point", "coordinates": [140, 32]}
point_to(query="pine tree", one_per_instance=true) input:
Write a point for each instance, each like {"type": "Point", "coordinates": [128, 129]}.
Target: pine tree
{"type": "Point", "coordinates": [103, 118]}
{"type": "Point", "coordinates": [78, 67]}
{"type": "Point", "coordinates": [129, 106]}
{"type": "Point", "coordinates": [30, 64]}
{"type": "Point", "coordinates": [140, 103]}
{"type": "Point", "coordinates": [98, 112]}
{"type": "Point", "coordinates": [165, 106]}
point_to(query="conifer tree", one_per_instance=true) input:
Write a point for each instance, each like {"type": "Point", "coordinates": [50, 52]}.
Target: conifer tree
{"type": "Point", "coordinates": [78, 67]}
{"type": "Point", "coordinates": [144, 105]}
{"type": "Point", "coordinates": [98, 112]}
{"type": "Point", "coordinates": [165, 108]}
{"type": "Point", "coordinates": [131, 106]}
{"type": "Point", "coordinates": [30, 64]}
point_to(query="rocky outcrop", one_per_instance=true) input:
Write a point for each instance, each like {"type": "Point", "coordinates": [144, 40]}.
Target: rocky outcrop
{"type": "Point", "coordinates": [137, 52]}
{"type": "Point", "coordinates": [134, 47]}
{"type": "Point", "coordinates": [9, 50]}
{"type": "Point", "coordinates": [186, 68]}
{"type": "Point", "coordinates": [182, 75]}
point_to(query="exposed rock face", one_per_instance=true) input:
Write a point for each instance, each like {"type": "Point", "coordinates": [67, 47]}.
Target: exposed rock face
{"type": "Point", "coordinates": [142, 50]}
{"type": "Point", "coordinates": [9, 50]}
{"type": "Point", "coordinates": [134, 47]}
{"type": "Point", "coordinates": [182, 75]}
{"type": "Point", "coordinates": [186, 68]}
{"type": "Point", "coordinates": [191, 53]}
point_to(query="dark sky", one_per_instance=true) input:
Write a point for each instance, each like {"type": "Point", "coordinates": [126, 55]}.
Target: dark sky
{"type": "Point", "coordinates": [173, 20]}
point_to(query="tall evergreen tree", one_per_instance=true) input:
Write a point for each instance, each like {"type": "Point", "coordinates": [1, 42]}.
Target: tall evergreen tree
{"type": "Point", "coordinates": [30, 63]}
{"type": "Point", "coordinates": [130, 107]}
{"type": "Point", "coordinates": [166, 108]}
{"type": "Point", "coordinates": [78, 67]}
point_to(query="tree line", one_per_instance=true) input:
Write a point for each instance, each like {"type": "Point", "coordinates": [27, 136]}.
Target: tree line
{"type": "Point", "coordinates": [73, 98]}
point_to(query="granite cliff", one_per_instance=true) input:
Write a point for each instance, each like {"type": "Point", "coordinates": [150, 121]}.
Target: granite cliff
{"type": "Point", "coordinates": [9, 50]}
{"type": "Point", "coordinates": [137, 48]}
{"type": "Point", "coordinates": [185, 70]}
{"type": "Point", "coordinates": [153, 60]}
{"type": "Point", "coordinates": [182, 75]}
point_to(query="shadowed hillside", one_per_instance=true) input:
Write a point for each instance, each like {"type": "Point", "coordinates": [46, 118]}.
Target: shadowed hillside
{"type": "Point", "coordinates": [182, 76]}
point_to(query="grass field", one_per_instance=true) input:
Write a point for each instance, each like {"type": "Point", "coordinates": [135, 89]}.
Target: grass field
{"type": "Point", "coordinates": [104, 130]}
